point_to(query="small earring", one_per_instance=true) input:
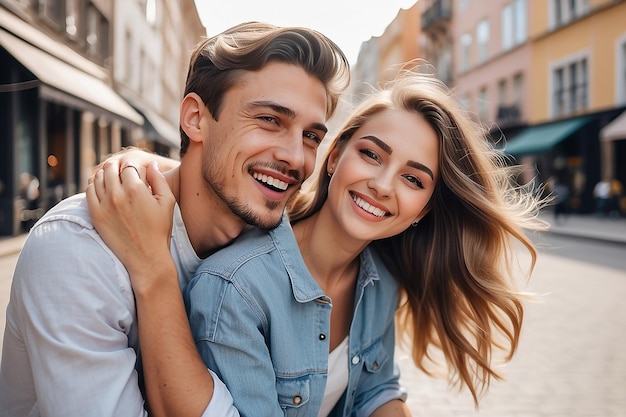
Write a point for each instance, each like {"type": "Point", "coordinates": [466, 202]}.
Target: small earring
{"type": "Point", "coordinates": [415, 223]}
{"type": "Point", "coordinates": [330, 172]}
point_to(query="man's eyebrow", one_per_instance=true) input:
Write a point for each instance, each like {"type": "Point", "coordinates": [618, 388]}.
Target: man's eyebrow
{"type": "Point", "coordinates": [276, 107]}
{"type": "Point", "coordinates": [414, 164]}
{"type": "Point", "coordinates": [286, 111]}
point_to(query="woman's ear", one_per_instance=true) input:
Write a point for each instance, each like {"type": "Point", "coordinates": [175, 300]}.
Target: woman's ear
{"type": "Point", "coordinates": [192, 109]}
{"type": "Point", "coordinates": [331, 165]}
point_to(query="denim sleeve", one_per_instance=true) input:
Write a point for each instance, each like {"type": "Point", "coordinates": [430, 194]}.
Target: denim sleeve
{"type": "Point", "coordinates": [382, 386]}
{"type": "Point", "coordinates": [228, 328]}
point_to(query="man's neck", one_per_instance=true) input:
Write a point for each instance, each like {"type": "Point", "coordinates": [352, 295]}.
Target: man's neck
{"type": "Point", "coordinates": [210, 224]}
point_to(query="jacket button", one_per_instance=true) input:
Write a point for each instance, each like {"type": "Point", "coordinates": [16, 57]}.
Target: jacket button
{"type": "Point", "coordinates": [355, 359]}
{"type": "Point", "coordinates": [322, 336]}
{"type": "Point", "coordinates": [297, 400]}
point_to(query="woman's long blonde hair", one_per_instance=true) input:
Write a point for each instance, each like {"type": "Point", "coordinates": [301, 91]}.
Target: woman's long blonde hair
{"type": "Point", "coordinates": [455, 268]}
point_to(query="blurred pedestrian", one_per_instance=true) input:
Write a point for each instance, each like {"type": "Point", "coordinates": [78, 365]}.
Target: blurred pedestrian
{"type": "Point", "coordinates": [602, 194]}
{"type": "Point", "coordinates": [561, 194]}
{"type": "Point", "coordinates": [616, 197]}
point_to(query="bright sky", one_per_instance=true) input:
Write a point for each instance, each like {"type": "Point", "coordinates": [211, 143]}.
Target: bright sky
{"type": "Point", "coordinates": [347, 22]}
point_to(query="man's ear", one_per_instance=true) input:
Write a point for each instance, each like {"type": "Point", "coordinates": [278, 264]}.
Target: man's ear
{"type": "Point", "coordinates": [192, 109]}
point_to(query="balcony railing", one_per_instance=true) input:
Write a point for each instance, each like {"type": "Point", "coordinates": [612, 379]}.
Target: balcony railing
{"type": "Point", "coordinates": [508, 115]}
{"type": "Point", "coordinates": [439, 12]}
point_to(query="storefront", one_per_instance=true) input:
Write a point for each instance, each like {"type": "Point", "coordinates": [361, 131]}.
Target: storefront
{"type": "Point", "coordinates": [569, 149]}
{"type": "Point", "coordinates": [59, 117]}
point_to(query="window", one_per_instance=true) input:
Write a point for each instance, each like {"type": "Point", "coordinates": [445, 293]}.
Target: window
{"type": "Point", "coordinates": [128, 66]}
{"type": "Point", "coordinates": [570, 91]}
{"type": "Point", "coordinates": [142, 66]}
{"type": "Point", "coordinates": [466, 48]}
{"type": "Point", "coordinates": [559, 91]}
{"type": "Point", "coordinates": [74, 19]}
{"type": "Point", "coordinates": [482, 104]}
{"type": "Point", "coordinates": [482, 40]}
{"type": "Point", "coordinates": [519, 13]}
{"type": "Point", "coordinates": [518, 90]}
{"type": "Point", "coordinates": [97, 34]}
{"type": "Point", "coordinates": [621, 72]}
{"type": "Point", "coordinates": [151, 11]}
{"type": "Point", "coordinates": [502, 96]}
{"type": "Point", "coordinates": [514, 22]}
{"type": "Point", "coordinates": [564, 11]}
{"type": "Point", "coordinates": [52, 11]}
{"type": "Point", "coordinates": [507, 28]}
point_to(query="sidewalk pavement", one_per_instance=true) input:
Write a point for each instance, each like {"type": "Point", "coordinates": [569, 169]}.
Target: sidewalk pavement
{"type": "Point", "coordinates": [588, 226]}
{"type": "Point", "coordinates": [575, 225]}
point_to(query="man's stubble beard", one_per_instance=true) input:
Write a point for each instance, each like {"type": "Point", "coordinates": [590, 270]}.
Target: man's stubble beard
{"type": "Point", "coordinates": [234, 203]}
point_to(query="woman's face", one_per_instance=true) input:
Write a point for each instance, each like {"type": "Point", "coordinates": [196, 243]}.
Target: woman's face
{"type": "Point", "coordinates": [384, 176]}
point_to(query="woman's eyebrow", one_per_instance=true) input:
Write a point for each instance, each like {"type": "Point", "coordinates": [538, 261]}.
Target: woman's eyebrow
{"type": "Point", "coordinates": [414, 164]}
{"type": "Point", "coordinates": [421, 167]}
{"type": "Point", "coordinates": [382, 145]}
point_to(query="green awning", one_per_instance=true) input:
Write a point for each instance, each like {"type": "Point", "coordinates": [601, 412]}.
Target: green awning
{"type": "Point", "coordinates": [542, 138]}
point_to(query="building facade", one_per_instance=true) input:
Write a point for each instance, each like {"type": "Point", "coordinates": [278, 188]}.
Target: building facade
{"type": "Point", "coordinates": [79, 80]}
{"type": "Point", "coordinates": [546, 78]}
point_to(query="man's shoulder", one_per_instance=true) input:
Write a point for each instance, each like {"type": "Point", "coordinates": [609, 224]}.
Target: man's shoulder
{"type": "Point", "coordinates": [65, 222]}
{"type": "Point", "coordinates": [73, 208]}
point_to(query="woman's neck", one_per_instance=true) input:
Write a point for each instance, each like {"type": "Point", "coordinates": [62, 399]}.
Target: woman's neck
{"type": "Point", "coordinates": [329, 256]}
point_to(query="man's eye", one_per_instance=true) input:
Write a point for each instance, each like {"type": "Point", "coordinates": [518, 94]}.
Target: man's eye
{"type": "Point", "coordinates": [313, 137]}
{"type": "Point", "coordinates": [268, 119]}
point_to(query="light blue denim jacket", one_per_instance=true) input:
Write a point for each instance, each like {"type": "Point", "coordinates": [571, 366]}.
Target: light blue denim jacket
{"type": "Point", "coordinates": [262, 323]}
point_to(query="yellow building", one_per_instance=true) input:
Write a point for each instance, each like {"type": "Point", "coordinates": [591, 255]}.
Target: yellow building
{"type": "Point", "coordinates": [577, 82]}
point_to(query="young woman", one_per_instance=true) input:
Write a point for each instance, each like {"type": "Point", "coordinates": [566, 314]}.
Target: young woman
{"type": "Point", "coordinates": [413, 217]}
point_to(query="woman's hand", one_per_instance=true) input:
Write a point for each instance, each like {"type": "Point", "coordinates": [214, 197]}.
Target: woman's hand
{"type": "Point", "coordinates": [138, 158]}
{"type": "Point", "coordinates": [134, 220]}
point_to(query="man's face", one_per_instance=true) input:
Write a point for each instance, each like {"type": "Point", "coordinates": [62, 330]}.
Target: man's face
{"type": "Point", "coordinates": [264, 144]}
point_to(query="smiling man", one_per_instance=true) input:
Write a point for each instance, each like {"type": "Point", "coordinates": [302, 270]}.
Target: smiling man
{"type": "Point", "coordinates": [254, 111]}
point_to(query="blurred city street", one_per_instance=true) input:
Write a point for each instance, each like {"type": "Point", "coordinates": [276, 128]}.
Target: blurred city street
{"type": "Point", "coordinates": [571, 360]}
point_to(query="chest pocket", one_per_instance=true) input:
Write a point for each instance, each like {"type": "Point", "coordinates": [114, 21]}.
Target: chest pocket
{"type": "Point", "coordinates": [293, 396]}
{"type": "Point", "coordinates": [375, 357]}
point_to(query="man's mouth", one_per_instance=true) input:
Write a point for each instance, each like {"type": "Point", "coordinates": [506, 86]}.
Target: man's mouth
{"type": "Point", "coordinates": [270, 182]}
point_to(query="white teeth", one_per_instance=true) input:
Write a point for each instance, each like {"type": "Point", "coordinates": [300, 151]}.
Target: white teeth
{"type": "Point", "coordinates": [368, 207]}
{"type": "Point", "coordinates": [281, 185]}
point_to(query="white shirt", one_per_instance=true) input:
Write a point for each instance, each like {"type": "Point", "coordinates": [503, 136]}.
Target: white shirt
{"type": "Point", "coordinates": [71, 332]}
{"type": "Point", "coordinates": [337, 379]}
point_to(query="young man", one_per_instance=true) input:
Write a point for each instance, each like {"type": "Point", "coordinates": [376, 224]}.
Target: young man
{"type": "Point", "coordinates": [256, 102]}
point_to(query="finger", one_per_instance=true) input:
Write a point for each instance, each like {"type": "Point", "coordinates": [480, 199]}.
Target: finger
{"type": "Point", "coordinates": [111, 179]}
{"type": "Point", "coordinates": [93, 203]}
{"type": "Point", "coordinates": [129, 173]}
{"type": "Point", "coordinates": [157, 181]}
{"type": "Point", "coordinates": [97, 185]}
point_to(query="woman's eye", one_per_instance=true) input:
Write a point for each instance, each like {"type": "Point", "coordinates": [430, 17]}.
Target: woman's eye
{"type": "Point", "coordinates": [415, 180]}
{"type": "Point", "coordinates": [369, 154]}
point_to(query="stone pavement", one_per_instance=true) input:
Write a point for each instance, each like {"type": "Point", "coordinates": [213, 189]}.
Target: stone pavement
{"type": "Point", "coordinates": [571, 361]}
